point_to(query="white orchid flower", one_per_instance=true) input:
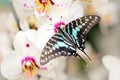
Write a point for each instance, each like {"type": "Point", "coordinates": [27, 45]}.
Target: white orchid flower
{"type": "Point", "coordinates": [60, 16]}
{"type": "Point", "coordinates": [42, 7]}
{"type": "Point", "coordinates": [23, 63]}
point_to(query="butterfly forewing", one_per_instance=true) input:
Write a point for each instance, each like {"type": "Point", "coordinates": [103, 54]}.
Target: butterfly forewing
{"type": "Point", "coordinates": [57, 46]}
{"type": "Point", "coordinates": [80, 27]}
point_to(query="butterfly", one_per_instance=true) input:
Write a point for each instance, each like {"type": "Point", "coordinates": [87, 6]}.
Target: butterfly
{"type": "Point", "coordinates": [68, 39]}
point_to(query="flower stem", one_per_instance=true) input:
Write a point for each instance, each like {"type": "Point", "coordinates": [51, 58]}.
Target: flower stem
{"type": "Point", "coordinates": [15, 15]}
{"type": "Point", "coordinates": [38, 76]}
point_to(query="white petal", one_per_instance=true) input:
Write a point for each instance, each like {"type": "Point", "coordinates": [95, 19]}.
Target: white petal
{"type": "Point", "coordinates": [61, 11]}
{"type": "Point", "coordinates": [112, 10]}
{"type": "Point", "coordinates": [110, 62]}
{"type": "Point", "coordinates": [45, 32]}
{"type": "Point", "coordinates": [105, 1]}
{"type": "Point", "coordinates": [24, 24]}
{"type": "Point", "coordinates": [31, 35]}
{"type": "Point", "coordinates": [5, 45]}
{"type": "Point", "coordinates": [62, 1]}
{"type": "Point", "coordinates": [26, 78]}
{"type": "Point", "coordinates": [42, 19]}
{"type": "Point", "coordinates": [23, 45]}
{"type": "Point", "coordinates": [11, 66]}
{"type": "Point", "coordinates": [21, 12]}
{"type": "Point", "coordinates": [41, 14]}
{"type": "Point", "coordinates": [61, 76]}
{"type": "Point", "coordinates": [59, 67]}
{"type": "Point", "coordinates": [27, 4]}
{"type": "Point", "coordinates": [47, 74]}
{"type": "Point", "coordinates": [66, 13]}
{"type": "Point", "coordinates": [77, 12]}
{"type": "Point", "coordinates": [99, 6]}
{"type": "Point", "coordinates": [44, 78]}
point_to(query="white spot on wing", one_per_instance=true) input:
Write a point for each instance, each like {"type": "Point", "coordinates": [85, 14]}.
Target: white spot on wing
{"type": "Point", "coordinates": [52, 55]}
{"type": "Point", "coordinates": [93, 21]}
{"type": "Point", "coordinates": [45, 53]}
{"type": "Point", "coordinates": [80, 48]}
{"type": "Point", "coordinates": [42, 55]}
{"type": "Point", "coordinates": [86, 22]}
{"type": "Point", "coordinates": [83, 40]}
{"type": "Point", "coordinates": [49, 57]}
{"type": "Point", "coordinates": [82, 45]}
{"type": "Point", "coordinates": [68, 53]}
{"type": "Point", "coordinates": [56, 54]}
{"type": "Point", "coordinates": [59, 53]}
{"type": "Point", "coordinates": [83, 32]}
{"type": "Point", "coordinates": [85, 29]}
{"type": "Point", "coordinates": [83, 24]}
{"type": "Point", "coordinates": [96, 17]}
{"type": "Point", "coordinates": [90, 24]}
{"type": "Point", "coordinates": [51, 50]}
{"type": "Point", "coordinates": [46, 59]}
{"type": "Point", "coordinates": [87, 19]}
{"type": "Point", "coordinates": [41, 60]}
{"type": "Point", "coordinates": [90, 17]}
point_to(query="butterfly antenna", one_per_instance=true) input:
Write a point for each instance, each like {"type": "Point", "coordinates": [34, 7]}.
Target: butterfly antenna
{"type": "Point", "coordinates": [61, 19]}
{"type": "Point", "coordinates": [86, 55]}
{"type": "Point", "coordinates": [60, 22]}
{"type": "Point", "coordinates": [82, 59]}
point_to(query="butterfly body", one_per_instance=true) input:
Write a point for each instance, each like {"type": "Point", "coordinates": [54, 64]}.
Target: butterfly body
{"type": "Point", "coordinates": [68, 39]}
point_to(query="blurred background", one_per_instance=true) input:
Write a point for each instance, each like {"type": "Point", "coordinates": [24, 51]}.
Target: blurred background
{"type": "Point", "coordinates": [102, 40]}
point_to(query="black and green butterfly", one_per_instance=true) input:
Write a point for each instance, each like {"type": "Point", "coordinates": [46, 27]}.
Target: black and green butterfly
{"type": "Point", "coordinates": [68, 39]}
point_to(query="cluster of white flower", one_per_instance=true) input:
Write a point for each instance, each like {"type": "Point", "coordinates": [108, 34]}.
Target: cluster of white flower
{"type": "Point", "coordinates": [22, 62]}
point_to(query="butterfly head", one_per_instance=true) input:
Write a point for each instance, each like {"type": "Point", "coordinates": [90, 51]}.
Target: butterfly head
{"type": "Point", "coordinates": [60, 24]}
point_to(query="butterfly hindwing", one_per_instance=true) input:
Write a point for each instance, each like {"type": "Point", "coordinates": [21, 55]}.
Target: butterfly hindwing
{"type": "Point", "coordinates": [80, 27]}
{"type": "Point", "coordinates": [56, 46]}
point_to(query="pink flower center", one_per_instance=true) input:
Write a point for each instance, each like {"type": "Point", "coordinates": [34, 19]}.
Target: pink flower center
{"type": "Point", "coordinates": [57, 25]}
{"type": "Point", "coordinates": [29, 67]}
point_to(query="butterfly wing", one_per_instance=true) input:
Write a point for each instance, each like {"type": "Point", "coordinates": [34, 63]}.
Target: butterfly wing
{"type": "Point", "coordinates": [79, 28]}
{"type": "Point", "coordinates": [56, 46]}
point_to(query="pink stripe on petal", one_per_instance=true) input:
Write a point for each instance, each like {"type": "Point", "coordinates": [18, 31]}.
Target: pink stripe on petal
{"type": "Point", "coordinates": [31, 6]}
{"type": "Point", "coordinates": [50, 19]}
{"type": "Point", "coordinates": [44, 68]}
{"type": "Point", "coordinates": [52, 2]}
{"type": "Point", "coordinates": [25, 5]}
{"type": "Point", "coordinates": [28, 58]}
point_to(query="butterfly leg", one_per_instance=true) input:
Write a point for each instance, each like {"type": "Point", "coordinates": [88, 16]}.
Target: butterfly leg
{"type": "Point", "coordinates": [82, 59]}
{"type": "Point", "coordinates": [86, 55]}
